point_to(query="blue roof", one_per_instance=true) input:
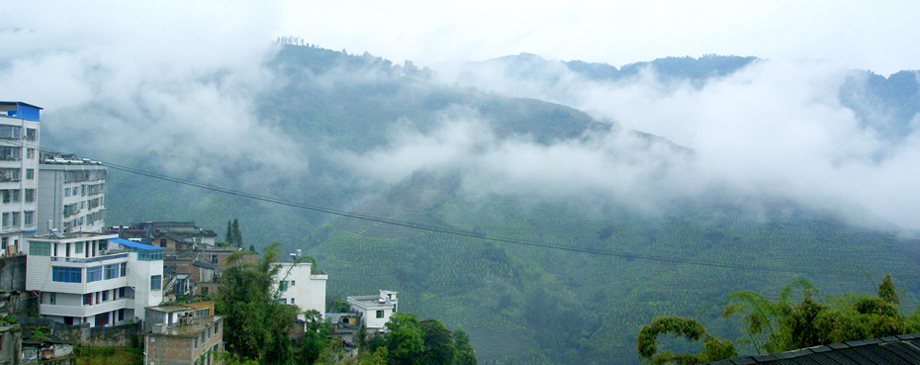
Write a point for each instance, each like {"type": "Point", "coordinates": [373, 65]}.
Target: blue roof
{"type": "Point", "coordinates": [136, 245]}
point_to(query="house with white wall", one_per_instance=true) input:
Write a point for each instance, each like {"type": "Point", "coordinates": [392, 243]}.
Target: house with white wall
{"type": "Point", "coordinates": [298, 285]}
{"type": "Point", "coordinates": [375, 310]}
{"type": "Point", "coordinates": [93, 278]}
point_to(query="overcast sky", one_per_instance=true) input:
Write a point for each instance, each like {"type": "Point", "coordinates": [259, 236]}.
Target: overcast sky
{"type": "Point", "coordinates": [178, 79]}
{"type": "Point", "coordinates": [877, 35]}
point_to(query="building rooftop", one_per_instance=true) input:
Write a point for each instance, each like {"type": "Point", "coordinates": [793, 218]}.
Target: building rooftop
{"type": "Point", "coordinates": [902, 349]}
{"type": "Point", "coordinates": [195, 327]}
{"type": "Point", "coordinates": [57, 235]}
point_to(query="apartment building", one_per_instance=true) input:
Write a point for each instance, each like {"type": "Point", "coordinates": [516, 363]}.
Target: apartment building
{"type": "Point", "coordinates": [71, 194]}
{"type": "Point", "coordinates": [93, 278]}
{"type": "Point", "coordinates": [19, 141]}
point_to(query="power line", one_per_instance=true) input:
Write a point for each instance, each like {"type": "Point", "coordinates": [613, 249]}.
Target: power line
{"type": "Point", "coordinates": [463, 233]}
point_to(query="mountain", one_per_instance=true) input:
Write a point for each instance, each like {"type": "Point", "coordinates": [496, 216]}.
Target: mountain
{"type": "Point", "coordinates": [516, 238]}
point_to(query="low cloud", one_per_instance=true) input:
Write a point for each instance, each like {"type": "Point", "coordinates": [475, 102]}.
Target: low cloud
{"type": "Point", "coordinates": [135, 80]}
{"type": "Point", "coordinates": [772, 131]}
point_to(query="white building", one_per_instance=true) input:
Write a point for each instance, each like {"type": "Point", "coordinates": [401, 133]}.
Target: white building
{"type": "Point", "coordinates": [298, 285]}
{"type": "Point", "coordinates": [19, 141]}
{"type": "Point", "coordinates": [71, 194]}
{"type": "Point", "coordinates": [375, 310]}
{"type": "Point", "coordinates": [93, 278]}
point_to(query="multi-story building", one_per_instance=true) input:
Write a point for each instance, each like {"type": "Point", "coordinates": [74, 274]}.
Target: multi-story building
{"type": "Point", "coordinates": [183, 334]}
{"type": "Point", "coordinates": [299, 285]}
{"type": "Point", "coordinates": [93, 278]}
{"type": "Point", "coordinates": [375, 310]}
{"type": "Point", "coordinates": [19, 141]}
{"type": "Point", "coordinates": [71, 194]}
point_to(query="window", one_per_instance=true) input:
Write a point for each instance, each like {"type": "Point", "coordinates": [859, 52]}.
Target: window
{"type": "Point", "coordinates": [30, 174]}
{"type": "Point", "coordinates": [155, 282]}
{"type": "Point", "coordinates": [105, 296]}
{"type": "Point", "coordinates": [379, 314]}
{"type": "Point", "coordinates": [30, 153]}
{"type": "Point", "coordinates": [293, 282]}
{"type": "Point", "coordinates": [162, 242]}
{"type": "Point", "coordinates": [28, 218]}
{"type": "Point", "coordinates": [111, 271]}
{"type": "Point", "coordinates": [93, 274]}
{"type": "Point", "coordinates": [214, 259]}
{"type": "Point", "coordinates": [77, 248]}
{"type": "Point", "coordinates": [282, 286]}
{"type": "Point", "coordinates": [292, 300]}
{"type": "Point", "coordinates": [66, 192]}
{"type": "Point", "coordinates": [75, 189]}
{"type": "Point", "coordinates": [216, 326]}
{"type": "Point", "coordinates": [124, 269]}
{"type": "Point", "coordinates": [121, 292]}
{"type": "Point", "coordinates": [66, 274]}
{"type": "Point", "coordinates": [30, 195]}
{"type": "Point", "coordinates": [40, 248]}
{"type": "Point", "coordinates": [31, 133]}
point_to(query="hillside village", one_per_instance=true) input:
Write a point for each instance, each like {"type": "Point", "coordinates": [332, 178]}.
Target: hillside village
{"type": "Point", "coordinates": [97, 286]}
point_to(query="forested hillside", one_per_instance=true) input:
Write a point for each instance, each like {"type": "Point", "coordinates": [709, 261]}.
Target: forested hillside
{"type": "Point", "coordinates": [623, 260]}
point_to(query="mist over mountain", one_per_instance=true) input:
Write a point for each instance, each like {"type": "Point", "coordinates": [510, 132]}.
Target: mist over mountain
{"type": "Point", "coordinates": [803, 167]}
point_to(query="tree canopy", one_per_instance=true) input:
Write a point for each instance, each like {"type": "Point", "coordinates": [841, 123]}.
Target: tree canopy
{"type": "Point", "coordinates": [256, 322]}
{"type": "Point", "coordinates": [784, 324]}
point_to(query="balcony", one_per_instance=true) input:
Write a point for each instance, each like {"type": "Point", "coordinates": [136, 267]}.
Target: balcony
{"type": "Point", "coordinates": [80, 260]}
{"type": "Point", "coordinates": [82, 310]}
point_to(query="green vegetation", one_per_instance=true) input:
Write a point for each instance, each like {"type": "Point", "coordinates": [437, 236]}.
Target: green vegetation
{"type": "Point", "coordinates": [109, 355]}
{"type": "Point", "coordinates": [410, 341]}
{"type": "Point", "coordinates": [256, 321]}
{"type": "Point", "coordinates": [518, 303]}
{"type": "Point", "coordinates": [784, 324]}
{"type": "Point", "coordinates": [257, 325]}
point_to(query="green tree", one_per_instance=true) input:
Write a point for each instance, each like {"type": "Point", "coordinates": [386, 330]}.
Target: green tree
{"type": "Point", "coordinates": [713, 348]}
{"type": "Point", "coordinates": [237, 236]}
{"type": "Point", "coordinates": [228, 237]}
{"type": "Point", "coordinates": [256, 322]}
{"type": "Point", "coordinates": [315, 339]}
{"type": "Point", "coordinates": [784, 324]}
{"type": "Point", "coordinates": [465, 353]}
{"type": "Point", "coordinates": [439, 344]}
{"type": "Point", "coordinates": [405, 343]}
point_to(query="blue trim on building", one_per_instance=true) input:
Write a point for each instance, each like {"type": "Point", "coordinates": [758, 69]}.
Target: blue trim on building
{"type": "Point", "coordinates": [135, 245]}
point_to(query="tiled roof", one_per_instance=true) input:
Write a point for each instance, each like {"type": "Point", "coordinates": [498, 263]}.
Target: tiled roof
{"type": "Point", "coordinates": [902, 349]}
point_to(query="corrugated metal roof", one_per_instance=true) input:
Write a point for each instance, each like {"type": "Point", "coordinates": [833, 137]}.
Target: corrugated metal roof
{"type": "Point", "coordinates": [132, 244]}
{"type": "Point", "coordinates": [902, 349]}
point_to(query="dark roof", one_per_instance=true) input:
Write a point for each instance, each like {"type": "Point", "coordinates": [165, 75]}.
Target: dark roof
{"type": "Point", "coordinates": [204, 265]}
{"type": "Point", "coordinates": [902, 349]}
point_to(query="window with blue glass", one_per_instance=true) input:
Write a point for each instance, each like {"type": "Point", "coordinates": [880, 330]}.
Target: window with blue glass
{"type": "Point", "coordinates": [66, 274]}
{"type": "Point", "coordinates": [93, 274]}
{"type": "Point", "coordinates": [111, 271]}
{"type": "Point", "coordinates": [156, 282]}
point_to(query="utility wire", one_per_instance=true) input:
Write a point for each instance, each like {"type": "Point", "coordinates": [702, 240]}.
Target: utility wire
{"type": "Point", "coordinates": [463, 233]}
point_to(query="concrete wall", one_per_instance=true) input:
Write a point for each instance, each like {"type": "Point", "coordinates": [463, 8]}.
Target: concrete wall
{"type": "Point", "coordinates": [13, 273]}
